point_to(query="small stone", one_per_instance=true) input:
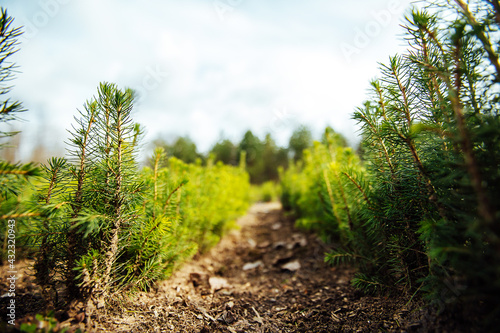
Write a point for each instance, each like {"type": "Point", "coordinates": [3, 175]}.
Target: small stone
{"type": "Point", "coordinates": [229, 305]}
{"type": "Point", "coordinates": [264, 244]}
{"type": "Point", "coordinates": [297, 240]}
{"type": "Point", "coordinates": [279, 245]}
{"type": "Point", "coordinates": [252, 265]}
{"type": "Point", "coordinates": [79, 317]}
{"type": "Point", "coordinates": [291, 266]}
{"type": "Point", "coordinates": [218, 283]}
{"type": "Point", "coordinates": [276, 226]}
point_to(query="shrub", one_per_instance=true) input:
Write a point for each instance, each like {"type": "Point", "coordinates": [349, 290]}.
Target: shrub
{"type": "Point", "coordinates": [425, 217]}
{"type": "Point", "coordinates": [14, 177]}
{"type": "Point", "coordinates": [104, 227]}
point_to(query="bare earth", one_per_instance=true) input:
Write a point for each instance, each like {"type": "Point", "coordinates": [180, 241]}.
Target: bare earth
{"type": "Point", "coordinates": [265, 277]}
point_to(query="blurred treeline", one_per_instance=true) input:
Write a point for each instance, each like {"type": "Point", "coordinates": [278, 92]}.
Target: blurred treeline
{"type": "Point", "coordinates": [262, 156]}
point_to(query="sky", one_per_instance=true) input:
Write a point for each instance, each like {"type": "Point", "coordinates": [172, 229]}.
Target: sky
{"type": "Point", "coordinates": [208, 69]}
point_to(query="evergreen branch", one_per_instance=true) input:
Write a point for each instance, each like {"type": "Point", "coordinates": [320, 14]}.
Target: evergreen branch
{"type": "Point", "coordinates": [82, 143]}
{"type": "Point", "coordinates": [15, 172]}
{"type": "Point", "coordinates": [56, 166]}
{"type": "Point", "coordinates": [344, 199]}
{"type": "Point", "coordinates": [496, 7]}
{"type": "Point", "coordinates": [481, 35]}
{"type": "Point", "coordinates": [47, 233]}
{"type": "Point", "coordinates": [8, 47]}
{"type": "Point", "coordinates": [484, 208]}
{"type": "Point", "coordinates": [42, 264]}
{"type": "Point", "coordinates": [146, 239]}
{"type": "Point", "coordinates": [403, 89]}
{"type": "Point", "coordinates": [335, 258]}
{"type": "Point", "coordinates": [357, 186]}
{"type": "Point", "coordinates": [171, 193]}
{"type": "Point", "coordinates": [410, 142]}
{"type": "Point", "coordinates": [363, 117]}
{"type": "Point", "coordinates": [26, 170]}
{"type": "Point", "coordinates": [330, 195]}
{"type": "Point", "coordinates": [14, 216]}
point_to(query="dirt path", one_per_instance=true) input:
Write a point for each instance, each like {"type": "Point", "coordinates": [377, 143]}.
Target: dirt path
{"type": "Point", "coordinates": [265, 277]}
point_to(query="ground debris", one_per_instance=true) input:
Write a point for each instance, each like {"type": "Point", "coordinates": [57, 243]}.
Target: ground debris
{"type": "Point", "coordinates": [292, 266]}
{"type": "Point", "coordinates": [199, 279]}
{"type": "Point", "coordinates": [218, 283]}
{"type": "Point", "coordinates": [252, 265]}
{"type": "Point", "coordinates": [277, 282]}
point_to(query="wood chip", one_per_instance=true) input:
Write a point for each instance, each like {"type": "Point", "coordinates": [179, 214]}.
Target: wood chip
{"type": "Point", "coordinates": [258, 318]}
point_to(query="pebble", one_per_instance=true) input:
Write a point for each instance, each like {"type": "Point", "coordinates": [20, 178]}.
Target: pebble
{"type": "Point", "coordinates": [252, 265]}
{"type": "Point", "coordinates": [291, 266]}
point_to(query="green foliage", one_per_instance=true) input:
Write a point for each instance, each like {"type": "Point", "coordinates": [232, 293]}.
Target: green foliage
{"type": "Point", "coordinates": [422, 214]}
{"type": "Point", "coordinates": [88, 202]}
{"type": "Point", "coordinates": [105, 227]}
{"type": "Point", "coordinates": [273, 157]}
{"type": "Point", "coordinates": [262, 157]}
{"type": "Point", "coordinates": [9, 109]}
{"type": "Point", "coordinates": [183, 148]}
{"type": "Point", "coordinates": [209, 202]}
{"type": "Point", "coordinates": [14, 177]}
{"type": "Point", "coordinates": [153, 248]}
{"type": "Point", "coordinates": [46, 324]}
{"type": "Point", "coordinates": [318, 191]}
{"type": "Point", "coordinates": [300, 140]}
{"type": "Point", "coordinates": [253, 148]}
{"type": "Point", "coordinates": [330, 137]}
{"type": "Point", "coordinates": [370, 284]}
{"type": "Point", "coordinates": [266, 192]}
{"type": "Point", "coordinates": [226, 152]}
{"type": "Point", "coordinates": [186, 209]}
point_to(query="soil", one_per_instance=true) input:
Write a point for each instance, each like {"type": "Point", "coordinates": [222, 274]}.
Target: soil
{"type": "Point", "coordinates": [265, 277]}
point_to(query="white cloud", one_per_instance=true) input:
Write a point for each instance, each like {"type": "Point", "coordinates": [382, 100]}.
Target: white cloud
{"type": "Point", "coordinates": [225, 75]}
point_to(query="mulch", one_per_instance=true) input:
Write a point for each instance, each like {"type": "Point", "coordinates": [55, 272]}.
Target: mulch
{"type": "Point", "coordinates": [265, 277]}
